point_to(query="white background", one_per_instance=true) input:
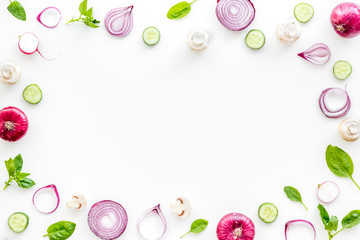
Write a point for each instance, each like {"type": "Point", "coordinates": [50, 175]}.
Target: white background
{"type": "Point", "coordinates": [228, 128]}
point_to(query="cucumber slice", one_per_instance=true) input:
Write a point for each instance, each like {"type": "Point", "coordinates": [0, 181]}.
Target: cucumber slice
{"type": "Point", "coordinates": [342, 70]}
{"type": "Point", "coordinates": [32, 94]}
{"type": "Point", "coordinates": [151, 36]}
{"type": "Point", "coordinates": [255, 39]}
{"type": "Point", "coordinates": [18, 222]}
{"type": "Point", "coordinates": [303, 12]}
{"type": "Point", "coordinates": [268, 212]}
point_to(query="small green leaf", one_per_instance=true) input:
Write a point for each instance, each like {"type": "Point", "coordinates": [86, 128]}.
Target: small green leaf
{"type": "Point", "coordinates": [294, 195]}
{"type": "Point", "coordinates": [324, 215]}
{"type": "Point", "coordinates": [18, 163]}
{"type": "Point", "coordinates": [90, 23]}
{"type": "Point", "coordinates": [17, 10]}
{"type": "Point", "coordinates": [89, 13]}
{"type": "Point", "coordinates": [83, 8]}
{"type": "Point", "coordinates": [25, 183]}
{"type": "Point", "coordinates": [61, 230]}
{"type": "Point", "coordinates": [197, 226]}
{"type": "Point", "coordinates": [10, 166]}
{"type": "Point", "coordinates": [22, 175]}
{"type": "Point", "coordinates": [351, 220]}
{"type": "Point", "coordinates": [179, 10]}
{"type": "Point", "coordinates": [332, 224]}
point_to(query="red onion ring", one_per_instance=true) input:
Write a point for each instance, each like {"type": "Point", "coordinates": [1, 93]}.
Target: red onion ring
{"type": "Point", "coordinates": [318, 54]}
{"type": "Point", "coordinates": [334, 113]}
{"type": "Point", "coordinates": [111, 210]}
{"type": "Point", "coordinates": [289, 223]}
{"type": "Point", "coordinates": [119, 21]}
{"type": "Point", "coordinates": [235, 15]}
{"type": "Point", "coordinates": [45, 10]}
{"type": "Point", "coordinates": [53, 187]}
{"type": "Point", "coordinates": [146, 214]}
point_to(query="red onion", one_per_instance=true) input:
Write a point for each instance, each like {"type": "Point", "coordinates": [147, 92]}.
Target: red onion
{"type": "Point", "coordinates": [339, 111]}
{"type": "Point", "coordinates": [318, 54]}
{"type": "Point", "coordinates": [235, 15]}
{"type": "Point", "coordinates": [47, 11]}
{"type": "Point", "coordinates": [53, 188]}
{"type": "Point", "coordinates": [328, 191]}
{"type": "Point", "coordinates": [289, 223]}
{"type": "Point", "coordinates": [13, 124]}
{"type": "Point", "coordinates": [107, 219]}
{"type": "Point", "coordinates": [235, 226]}
{"type": "Point", "coordinates": [345, 19]}
{"type": "Point", "coordinates": [119, 21]}
{"type": "Point", "coordinates": [29, 44]}
{"type": "Point", "coordinates": [146, 214]}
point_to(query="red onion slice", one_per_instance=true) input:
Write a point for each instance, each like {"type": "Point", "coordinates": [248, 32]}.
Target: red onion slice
{"type": "Point", "coordinates": [328, 191]}
{"type": "Point", "coordinates": [107, 219]}
{"type": "Point", "coordinates": [119, 21]}
{"type": "Point", "coordinates": [146, 214]}
{"type": "Point", "coordinates": [52, 187]}
{"type": "Point", "coordinates": [289, 223]}
{"type": "Point", "coordinates": [48, 14]}
{"type": "Point", "coordinates": [338, 112]}
{"type": "Point", "coordinates": [318, 54]}
{"type": "Point", "coordinates": [235, 15]}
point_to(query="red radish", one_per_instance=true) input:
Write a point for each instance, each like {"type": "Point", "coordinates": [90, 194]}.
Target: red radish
{"type": "Point", "coordinates": [235, 226]}
{"type": "Point", "coordinates": [345, 19]}
{"type": "Point", "coordinates": [29, 44]}
{"type": "Point", "coordinates": [328, 191]}
{"type": "Point", "coordinates": [13, 124]}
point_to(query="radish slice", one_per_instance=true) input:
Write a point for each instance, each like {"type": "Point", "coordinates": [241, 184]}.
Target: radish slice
{"type": "Point", "coordinates": [48, 187]}
{"type": "Point", "coordinates": [289, 223]}
{"type": "Point", "coordinates": [328, 191]}
{"type": "Point", "coordinates": [29, 44]}
{"type": "Point", "coordinates": [50, 17]}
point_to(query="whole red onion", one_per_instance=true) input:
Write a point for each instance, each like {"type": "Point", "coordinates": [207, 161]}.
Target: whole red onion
{"type": "Point", "coordinates": [235, 226]}
{"type": "Point", "coordinates": [13, 124]}
{"type": "Point", "coordinates": [345, 19]}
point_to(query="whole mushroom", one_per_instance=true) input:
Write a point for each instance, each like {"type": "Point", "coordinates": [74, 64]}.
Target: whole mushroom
{"type": "Point", "coordinates": [77, 202]}
{"type": "Point", "coordinates": [349, 129]}
{"type": "Point", "coordinates": [198, 40]}
{"type": "Point", "coordinates": [181, 207]}
{"type": "Point", "coordinates": [10, 73]}
{"type": "Point", "coordinates": [288, 31]}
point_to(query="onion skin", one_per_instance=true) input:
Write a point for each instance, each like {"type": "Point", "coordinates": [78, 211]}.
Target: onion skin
{"type": "Point", "coordinates": [13, 124]}
{"type": "Point", "coordinates": [345, 19]}
{"type": "Point", "coordinates": [235, 226]}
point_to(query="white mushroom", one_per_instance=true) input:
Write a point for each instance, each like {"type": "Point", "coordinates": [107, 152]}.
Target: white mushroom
{"type": "Point", "coordinates": [181, 207]}
{"type": "Point", "coordinates": [288, 31]}
{"type": "Point", "coordinates": [349, 129]}
{"type": "Point", "coordinates": [77, 201]}
{"type": "Point", "coordinates": [10, 73]}
{"type": "Point", "coordinates": [198, 40]}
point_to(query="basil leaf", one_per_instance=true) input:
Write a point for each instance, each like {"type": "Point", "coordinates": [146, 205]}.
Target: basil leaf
{"type": "Point", "coordinates": [26, 183]}
{"type": "Point", "coordinates": [22, 175]}
{"type": "Point", "coordinates": [61, 230]}
{"type": "Point", "coordinates": [179, 10]}
{"type": "Point", "coordinates": [17, 10]}
{"type": "Point", "coordinates": [83, 8]}
{"type": "Point", "coordinates": [197, 226]}
{"type": "Point", "coordinates": [294, 195]}
{"type": "Point", "coordinates": [18, 163]}
{"type": "Point", "coordinates": [90, 23]}
{"type": "Point", "coordinates": [10, 166]}
{"type": "Point", "coordinates": [324, 215]}
{"type": "Point", "coordinates": [89, 13]}
{"type": "Point", "coordinates": [339, 162]}
{"type": "Point", "coordinates": [351, 220]}
{"type": "Point", "coordinates": [332, 224]}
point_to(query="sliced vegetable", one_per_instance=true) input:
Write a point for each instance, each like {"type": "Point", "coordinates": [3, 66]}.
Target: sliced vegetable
{"type": "Point", "coordinates": [288, 31]}
{"type": "Point", "coordinates": [235, 226]}
{"type": "Point", "coordinates": [181, 207]}
{"type": "Point", "coordinates": [268, 212]}
{"type": "Point", "coordinates": [294, 195]}
{"type": "Point", "coordinates": [303, 12]}
{"type": "Point", "coordinates": [349, 129]}
{"type": "Point", "coordinates": [151, 36]}
{"type": "Point", "coordinates": [51, 187]}
{"type": "Point", "coordinates": [61, 230]}
{"type": "Point", "coordinates": [328, 191]}
{"type": "Point", "coordinates": [198, 40]}
{"type": "Point", "coordinates": [197, 226]}
{"type": "Point", "coordinates": [29, 44]}
{"type": "Point", "coordinates": [334, 110]}
{"type": "Point", "coordinates": [255, 39]}
{"type": "Point", "coordinates": [17, 10]}
{"type": "Point", "coordinates": [155, 210]}
{"type": "Point", "coordinates": [345, 19]}
{"type": "Point", "coordinates": [179, 10]}
{"type": "Point", "coordinates": [86, 16]}
{"type": "Point", "coordinates": [119, 21]}
{"type": "Point", "coordinates": [13, 124]}
{"type": "Point", "coordinates": [32, 94]}
{"type": "Point", "coordinates": [342, 70]}
{"type": "Point", "coordinates": [107, 219]}
{"type": "Point", "coordinates": [235, 15]}
{"type": "Point", "coordinates": [318, 54]}
{"type": "Point", "coordinates": [50, 17]}
{"type": "Point", "coordinates": [77, 202]}
{"type": "Point", "coordinates": [10, 73]}
{"type": "Point", "coordinates": [292, 222]}
{"type": "Point", "coordinates": [18, 222]}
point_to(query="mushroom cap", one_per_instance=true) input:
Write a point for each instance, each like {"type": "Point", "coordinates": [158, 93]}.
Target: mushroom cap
{"type": "Point", "coordinates": [10, 73]}
{"type": "Point", "coordinates": [181, 207]}
{"type": "Point", "coordinates": [288, 31]}
{"type": "Point", "coordinates": [78, 201]}
{"type": "Point", "coordinates": [349, 129]}
{"type": "Point", "coordinates": [198, 40]}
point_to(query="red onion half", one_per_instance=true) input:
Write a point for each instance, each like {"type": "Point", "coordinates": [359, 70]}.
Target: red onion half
{"type": "Point", "coordinates": [318, 54]}
{"type": "Point", "coordinates": [345, 19]}
{"type": "Point", "coordinates": [46, 17]}
{"type": "Point", "coordinates": [289, 223]}
{"type": "Point", "coordinates": [235, 226]}
{"type": "Point", "coordinates": [107, 219]}
{"type": "Point", "coordinates": [335, 112]}
{"type": "Point", "coordinates": [154, 210]}
{"type": "Point", "coordinates": [13, 124]}
{"type": "Point", "coordinates": [119, 21]}
{"type": "Point", "coordinates": [235, 15]}
{"type": "Point", "coordinates": [53, 188]}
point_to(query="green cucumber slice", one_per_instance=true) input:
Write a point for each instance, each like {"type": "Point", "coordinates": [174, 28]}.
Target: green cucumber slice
{"type": "Point", "coordinates": [342, 70]}
{"type": "Point", "coordinates": [255, 39]}
{"type": "Point", "coordinates": [18, 222]}
{"type": "Point", "coordinates": [32, 94]}
{"type": "Point", "coordinates": [303, 12]}
{"type": "Point", "coordinates": [151, 36]}
{"type": "Point", "coordinates": [268, 212]}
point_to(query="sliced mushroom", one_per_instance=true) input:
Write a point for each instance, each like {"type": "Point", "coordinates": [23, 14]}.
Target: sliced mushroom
{"type": "Point", "coordinates": [77, 201]}
{"type": "Point", "coordinates": [181, 207]}
{"type": "Point", "coordinates": [198, 40]}
{"type": "Point", "coordinates": [349, 129]}
{"type": "Point", "coordinates": [288, 31]}
{"type": "Point", "coordinates": [10, 73]}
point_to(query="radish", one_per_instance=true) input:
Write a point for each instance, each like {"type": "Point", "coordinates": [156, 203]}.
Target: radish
{"type": "Point", "coordinates": [328, 191]}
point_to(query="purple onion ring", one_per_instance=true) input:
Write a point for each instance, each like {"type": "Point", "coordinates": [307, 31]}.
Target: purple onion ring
{"type": "Point", "coordinates": [46, 9]}
{"type": "Point", "coordinates": [289, 223]}
{"type": "Point", "coordinates": [341, 112]}
{"type": "Point", "coordinates": [119, 21]}
{"type": "Point", "coordinates": [53, 187]}
{"type": "Point", "coordinates": [146, 214]}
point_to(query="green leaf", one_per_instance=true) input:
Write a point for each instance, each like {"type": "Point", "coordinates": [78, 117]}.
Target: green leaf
{"type": "Point", "coordinates": [197, 226]}
{"type": "Point", "coordinates": [83, 8]}
{"type": "Point", "coordinates": [95, 21]}
{"type": "Point", "coordinates": [90, 23]}
{"type": "Point", "coordinates": [89, 13]}
{"type": "Point", "coordinates": [18, 163]}
{"type": "Point", "coordinates": [332, 224]}
{"type": "Point", "coordinates": [25, 183]}
{"type": "Point", "coordinates": [22, 175]}
{"type": "Point", "coordinates": [179, 10]}
{"type": "Point", "coordinates": [351, 220]}
{"type": "Point", "coordinates": [294, 195]}
{"type": "Point", "coordinates": [17, 10]}
{"type": "Point", "coordinates": [339, 162]}
{"type": "Point", "coordinates": [324, 215]}
{"type": "Point", "coordinates": [10, 166]}
{"type": "Point", "coordinates": [61, 230]}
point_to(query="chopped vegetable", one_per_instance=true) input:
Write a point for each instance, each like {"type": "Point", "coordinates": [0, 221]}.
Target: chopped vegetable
{"type": "Point", "coordinates": [328, 191]}
{"type": "Point", "coordinates": [61, 230]}
{"type": "Point", "coordinates": [50, 17]}
{"type": "Point", "coordinates": [197, 226]}
{"type": "Point", "coordinates": [294, 195]}
{"type": "Point", "coordinates": [342, 70]}
{"type": "Point", "coordinates": [14, 167]}
{"type": "Point", "coordinates": [181, 207]}
{"type": "Point", "coordinates": [318, 54]}
{"type": "Point", "coordinates": [77, 202]}
{"type": "Point", "coordinates": [235, 226]}
{"type": "Point", "coordinates": [155, 210]}
{"type": "Point", "coordinates": [268, 212]}
{"type": "Point", "coordinates": [32, 94]}
{"type": "Point", "coordinates": [179, 10]}
{"type": "Point", "coordinates": [303, 12]}
{"type": "Point", "coordinates": [86, 16]}
{"type": "Point", "coordinates": [17, 10]}
{"type": "Point", "coordinates": [13, 124]}
{"type": "Point", "coordinates": [29, 43]}
{"type": "Point", "coordinates": [18, 222]}
{"type": "Point", "coordinates": [198, 40]}
{"type": "Point", "coordinates": [255, 39]}
{"type": "Point", "coordinates": [51, 187]}
{"type": "Point", "coordinates": [332, 110]}
{"type": "Point", "coordinates": [151, 36]}
{"type": "Point", "coordinates": [119, 21]}
{"type": "Point", "coordinates": [345, 19]}
{"type": "Point", "coordinates": [235, 15]}
{"type": "Point", "coordinates": [10, 73]}
{"type": "Point", "coordinates": [288, 31]}
{"type": "Point", "coordinates": [349, 129]}
{"type": "Point", "coordinates": [289, 223]}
